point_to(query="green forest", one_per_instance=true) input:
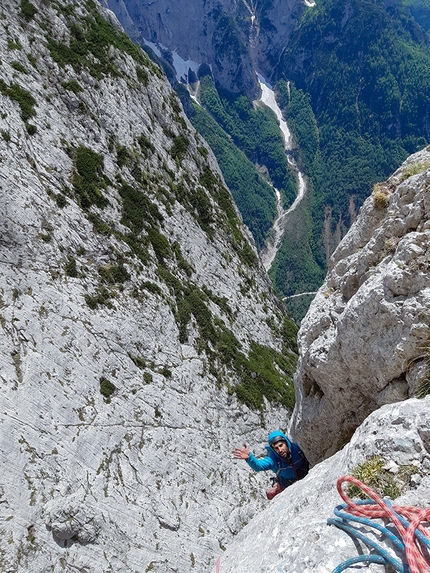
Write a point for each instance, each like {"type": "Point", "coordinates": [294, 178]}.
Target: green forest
{"type": "Point", "coordinates": [354, 86]}
{"type": "Point", "coordinates": [355, 89]}
{"type": "Point", "coordinates": [253, 196]}
{"type": "Point", "coordinates": [249, 148]}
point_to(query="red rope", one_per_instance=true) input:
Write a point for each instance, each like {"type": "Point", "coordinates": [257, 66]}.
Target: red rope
{"type": "Point", "coordinates": [415, 515]}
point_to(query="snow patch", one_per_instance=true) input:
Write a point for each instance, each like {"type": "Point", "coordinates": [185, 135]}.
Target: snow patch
{"type": "Point", "coordinates": [268, 98]}
{"type": "Point", "coordinates": [155, 48]}
{"type": "Point", "coordinates": [182, 67]}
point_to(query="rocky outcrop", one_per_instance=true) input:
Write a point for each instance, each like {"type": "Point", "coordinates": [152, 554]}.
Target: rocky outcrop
{"type": "Point", "coordinates": [365, 339]}
{"type": "Point", "coordinates": [292, 533]}
{"type": "Point", "coordinates": [136, 322]}
{"type": "Point", "coordinates": [235, 39]}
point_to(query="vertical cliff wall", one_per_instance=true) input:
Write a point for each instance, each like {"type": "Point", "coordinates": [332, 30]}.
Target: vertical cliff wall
{"type": "Point", "coordinates": [365, 339]}
{"type": "Point", "coordinates": [235, 39]}
{"type": "Point", "coordinates": [139, 336]}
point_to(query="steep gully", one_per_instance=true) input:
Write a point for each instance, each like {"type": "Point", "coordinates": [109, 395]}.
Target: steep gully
{"type": "Point", "coordinates": [268, 98]}
{"type": "Point", "coordinates": [182, 68]}
{"type": "Point", "coordinates": [269, 252]}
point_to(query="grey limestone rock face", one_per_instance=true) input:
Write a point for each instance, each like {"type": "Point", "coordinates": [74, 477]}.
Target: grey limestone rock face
{"type": "Point", "coordinates": [292, 535]}
{"type": "Point", "coordinates": [364, 340]}
{"type": "Point", "coordinates": [118, 409]}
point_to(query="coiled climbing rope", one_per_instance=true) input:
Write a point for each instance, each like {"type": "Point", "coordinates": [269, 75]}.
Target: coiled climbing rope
{"type": "Point", "coordinates": [411, 542]}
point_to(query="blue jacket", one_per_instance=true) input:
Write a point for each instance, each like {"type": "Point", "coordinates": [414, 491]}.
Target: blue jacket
{"type": "Point", "coordinates": [287, 470]}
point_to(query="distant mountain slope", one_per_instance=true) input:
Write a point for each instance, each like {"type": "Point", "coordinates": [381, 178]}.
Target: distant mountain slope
{"type": "Point", "coordinates": [365, 67]}
{"type": "Point", "coordinates": [233, 38]}
{"type": "Point", "coordinates": [357, 99]}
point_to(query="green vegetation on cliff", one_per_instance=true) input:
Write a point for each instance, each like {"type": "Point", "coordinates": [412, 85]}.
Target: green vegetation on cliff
{"type": "Point", "coordinates": [91, 39]}
{"type": "Point", "coordinates": [243, 136]}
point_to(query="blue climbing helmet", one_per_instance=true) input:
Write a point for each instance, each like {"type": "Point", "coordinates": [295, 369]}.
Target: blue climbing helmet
{"type": "Point", "coordinates": [278, 436]}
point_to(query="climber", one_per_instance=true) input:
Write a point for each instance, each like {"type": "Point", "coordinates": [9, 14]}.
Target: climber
{"type": "Point", "coordinates": [284, 457]}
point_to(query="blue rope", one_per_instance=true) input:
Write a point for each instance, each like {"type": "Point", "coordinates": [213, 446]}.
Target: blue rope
{"type": "Point", "coordinates": [382, 556]}
{"type": "Point", "coordinates": [406, 524]}
{"type": "Point", "coordinates": [366, 521]}
{"type": "Point", "coordinates": [359, 559]}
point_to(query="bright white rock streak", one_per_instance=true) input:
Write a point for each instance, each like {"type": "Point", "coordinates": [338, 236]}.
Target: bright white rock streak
{"type": "Point", "coordinates": [269, 252]}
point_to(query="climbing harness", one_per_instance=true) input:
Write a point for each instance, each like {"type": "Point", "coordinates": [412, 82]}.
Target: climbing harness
{"type": "Point", "coordinates": [411, 542]}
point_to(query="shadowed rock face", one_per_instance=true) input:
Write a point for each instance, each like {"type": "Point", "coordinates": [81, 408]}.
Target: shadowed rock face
{"type": "Point", "coordinates": [234, 38]}
{"type": "Point", "coordinates": [365, 338]}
